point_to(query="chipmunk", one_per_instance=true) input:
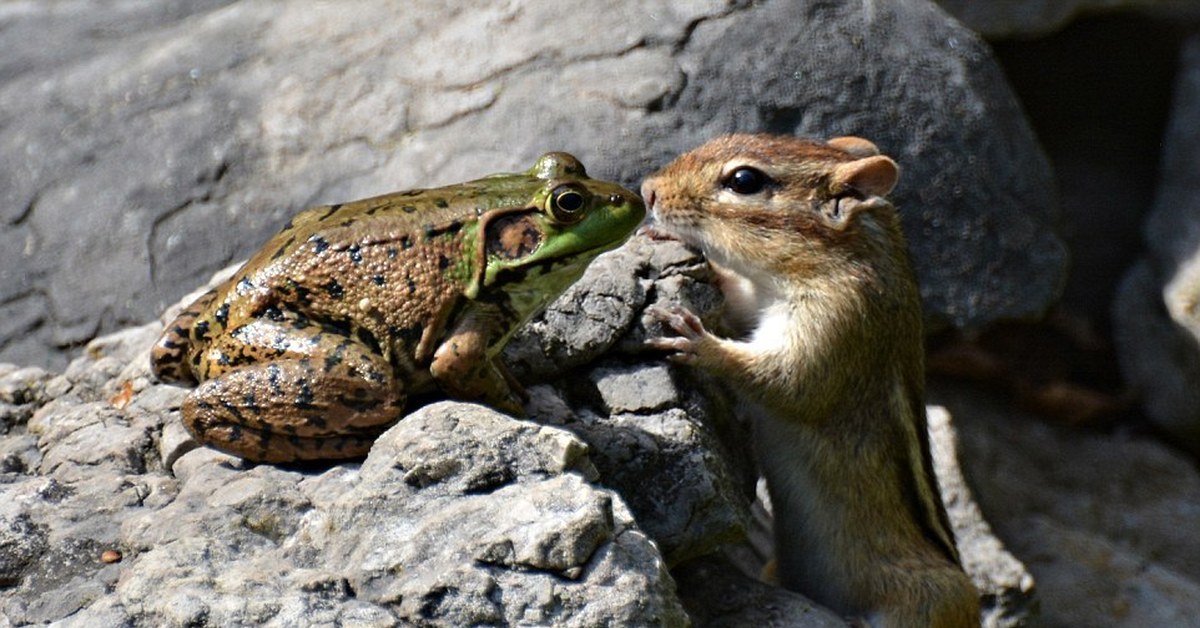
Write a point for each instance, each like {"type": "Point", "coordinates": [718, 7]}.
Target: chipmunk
{"type": "Point", "coordinates": [811, 258]}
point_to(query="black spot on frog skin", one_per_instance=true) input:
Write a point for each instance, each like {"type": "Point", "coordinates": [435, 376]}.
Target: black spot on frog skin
{"type": "Point", "coordinates": [378, 280]}
{"type": "Point", "coordinates": [282, 250]}
{"type": "Point", "coordinates": [367, 338]}
{"type": "Point", "coordinates": [233, 411]}
{"type": "Point", "coordinates": [222, 314]}
{"type": "Point", "coordinates": [273, 373]}
{"type": "Point", "coordinates": [200, 330]}
{"type": "Point", "coordinates": [319, 244]}
{"type": "Point", "coordinates": [304, 401]}
{"type": "Point", "coordinates": [410, 335]}
{"type": "Point", "coordinates": [412, 285]}
{"type": "Point", "coordinates": [359, 405]}
{"type": "Point", "coordinates": [441, 202]}
{"type": "Point", "coordinates": [303, 295]}
{"type": "Point", "coordinates": [406, 243]}
{"type": "Point", "coordinates": [332, 361]}
{"type": "Point", "coordinates": [408, 209]}
{"type": "Point", "coordinates": [273, 313]}
{"type": "Point", "coordinates": [355, 252]}
{"type": "Point", "coordinates": [443, 262]}
{"type": "Point", "coordinates": [392, 252]}
{"type": "Point", "coordinates": [334, 289]}
{"type": "Point", "coordinates": [329, 211]}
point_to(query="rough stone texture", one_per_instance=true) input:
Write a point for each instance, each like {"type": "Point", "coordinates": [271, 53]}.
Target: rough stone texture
{"type": "Point", "coordinates": [718, 595]}
{"type": "Point", "coordinates": [155, 143]}
{"type": "Point", "coordinates": [1104, 522]}
{"type": "Point", "coordinates": [1157, 310]}
{"type": "Point", "coordinates": [459, 515]}
{"type": "Point", "coordinates": [1007, 587]}
{"type": "Point", "coordinates": [1029, 18]}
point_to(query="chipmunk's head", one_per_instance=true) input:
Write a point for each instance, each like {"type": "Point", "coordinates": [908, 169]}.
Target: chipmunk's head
{"type": "Point", "coordinates": [741, 198]}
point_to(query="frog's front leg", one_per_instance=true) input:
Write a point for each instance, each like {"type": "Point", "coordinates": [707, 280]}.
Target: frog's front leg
{"type": "Point", "coordinates": [292, 390]}
{"type": "Point", "coordinates": [464, 370]}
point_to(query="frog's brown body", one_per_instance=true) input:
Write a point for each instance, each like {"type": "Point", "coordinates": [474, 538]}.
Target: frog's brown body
{"type": "Point", "coordinates": [314, 346]}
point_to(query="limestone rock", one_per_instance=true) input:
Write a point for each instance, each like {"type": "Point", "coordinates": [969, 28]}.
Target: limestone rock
{"type": "Point", "coordinates": [627, 469]}
{"type": "Point", "coordinates": [152, 145]}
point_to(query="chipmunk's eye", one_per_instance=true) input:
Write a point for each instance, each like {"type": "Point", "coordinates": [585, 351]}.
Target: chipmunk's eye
{"type": "Point", "coordinates": [746, 180]}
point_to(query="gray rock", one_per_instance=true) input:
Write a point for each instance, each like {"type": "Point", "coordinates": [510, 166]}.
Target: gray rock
{"type": "Point", "coordinates": [1104, 522]}
{"type": "Point", "coordinates": [459, 515]}
{"type": "Point", "coordinates": [154, 146]}
{"type": "Point", "coordinates": [531, 531]}
{"type": "Point", "coordinates": [718, 595]}
{"type": "Point", "coordinates": [1009, 599]}
{"type": "Point", "coordinates": [1156, 319]}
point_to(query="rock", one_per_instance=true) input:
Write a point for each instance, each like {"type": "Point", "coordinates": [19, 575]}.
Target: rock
{"type": "Point", "coordinates": [1102, 521]}
{"type": "Point", "coordinates": [628, 469]}
{"type": "Point", "coordinates": [1005, 584]}
{"type": "Point", "coordinates": [1156, 318]}
{"type": "Point", "coordinates": [128, 151]}
{"type": "Point", "coordinates": [534, 541]}
{"type": "Point", "coordinates": [457, 509]}
{"type": "Point", "coordinates": [1032, 18]}
{"type": "Point", "coordinates": [717, 595]}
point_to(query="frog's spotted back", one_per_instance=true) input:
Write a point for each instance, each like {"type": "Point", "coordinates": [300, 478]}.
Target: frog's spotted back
{"type": "Point", "coordinates": [313, 347]}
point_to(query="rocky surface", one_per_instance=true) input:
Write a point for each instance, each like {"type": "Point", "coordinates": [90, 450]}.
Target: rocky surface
{"type": "Point", "coordinates": [627, 475]}
{"type": "Point", "coordinates": [1104, 522]}
{"type": "Point", "coordinates": [156, 143]}
{"type": "Point", "coordinates": [1157, 311]}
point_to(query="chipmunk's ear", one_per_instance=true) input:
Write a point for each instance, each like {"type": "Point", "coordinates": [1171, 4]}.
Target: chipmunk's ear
{"type": "Point", "coordinates": [871, 176]}
{"type": "Point", "coordinates": [856, 146]}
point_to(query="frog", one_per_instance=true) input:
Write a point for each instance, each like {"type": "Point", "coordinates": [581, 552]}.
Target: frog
{"type": "Point", "coordinates": [317, 344]}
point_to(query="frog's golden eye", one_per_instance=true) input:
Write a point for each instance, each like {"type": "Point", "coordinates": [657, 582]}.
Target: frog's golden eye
{"type": "Point", "coordinates": [567, 204]}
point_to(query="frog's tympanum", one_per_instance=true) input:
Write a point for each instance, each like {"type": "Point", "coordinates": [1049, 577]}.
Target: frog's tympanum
{"type": "Point", "coordinates": [313, 347]}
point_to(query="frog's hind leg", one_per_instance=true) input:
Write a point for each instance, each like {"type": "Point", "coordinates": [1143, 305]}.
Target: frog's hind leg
{"type": "Point", "coordinates": [168, 357]}
{"type": "Point", "coordinates": [280, 392]}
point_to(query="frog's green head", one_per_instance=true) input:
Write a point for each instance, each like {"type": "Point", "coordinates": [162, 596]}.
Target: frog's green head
{"type": "Point", "coordinates": [532, 253]}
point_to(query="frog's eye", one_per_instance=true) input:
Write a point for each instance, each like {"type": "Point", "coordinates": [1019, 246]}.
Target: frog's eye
{"type": "Point", "coordinates": [567, 204]}
{"type": "Point", "coordinates": [746, 180]}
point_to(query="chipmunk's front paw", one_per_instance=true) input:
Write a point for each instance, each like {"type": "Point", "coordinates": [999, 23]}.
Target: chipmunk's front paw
{"type": "Point", "coordinates": [686, 347]}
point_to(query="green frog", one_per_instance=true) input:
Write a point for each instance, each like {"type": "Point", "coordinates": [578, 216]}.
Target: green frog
{"type": "Point", "coordinates": [317, 343]}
